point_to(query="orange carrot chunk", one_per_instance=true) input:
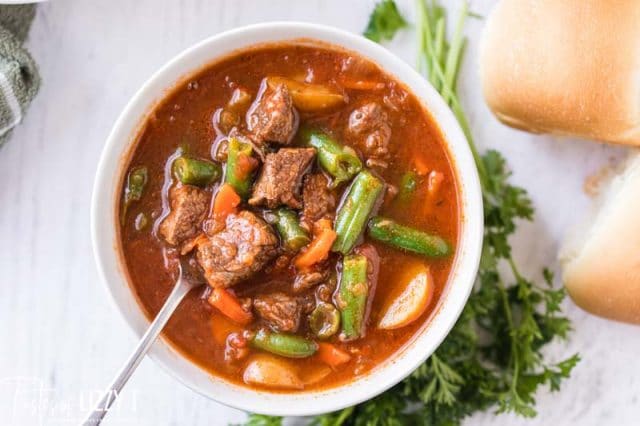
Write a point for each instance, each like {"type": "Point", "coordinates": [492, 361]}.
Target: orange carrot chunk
{"type": "Point", "coordinates": [245, 165]}
{"type": "Point", "coordinates": [229, 305]}
{"type": "Point", "coordinates": [363, 85]}
{"type": "Point", "coordinates": [331, 355]}
{"type": "Point", "coordinates": [226, 202]}
{"type": "Point", "coordinates": [319, 248]}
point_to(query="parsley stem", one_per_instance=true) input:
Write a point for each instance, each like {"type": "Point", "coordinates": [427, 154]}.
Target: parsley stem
{"type": "Point", "coordinates": [344, 415]}
{"type": "Point", "coordinates": [514, 269]}
{"type": "Point", "coordinates": [455, 51]}
{"type": "Point", "coordinates": [441, 64]}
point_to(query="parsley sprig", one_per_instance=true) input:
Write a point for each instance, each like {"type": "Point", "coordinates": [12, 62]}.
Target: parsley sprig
{"type": "Point", "coordinates": [493, 356]}
{"type": "Point", "coordinates": [384, 22]}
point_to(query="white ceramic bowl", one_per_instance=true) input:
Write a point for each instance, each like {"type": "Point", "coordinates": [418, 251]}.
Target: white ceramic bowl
{"type": "Point", "coordinates": [106, 192]}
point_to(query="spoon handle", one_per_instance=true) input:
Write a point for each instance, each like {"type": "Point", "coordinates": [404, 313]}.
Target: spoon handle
{"type": "Point", "coordinates": [113, 391]}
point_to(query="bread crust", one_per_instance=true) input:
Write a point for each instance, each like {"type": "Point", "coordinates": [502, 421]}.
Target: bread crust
{"type": "Point", "coordinates": [566, 67]}
{"type": "Point", "coordinates": [601, 268]}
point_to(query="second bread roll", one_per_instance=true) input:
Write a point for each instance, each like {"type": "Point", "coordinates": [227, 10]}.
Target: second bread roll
{"type": "Point", "coordinates": [567, 67]}
{"type": "Point", "coordinates": [601, 258]}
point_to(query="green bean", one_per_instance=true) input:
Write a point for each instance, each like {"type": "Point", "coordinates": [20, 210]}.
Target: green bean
{"type": "Point", "coordinates": [339, 161]}
{"type": "Point", "coordinates": [287, 345]}
{"type": "Point", "coordinates": [358, 204]}
{"type": "Point", "coordinates": [192, 171]}
{"type": "Point", "coordinates": [292, 235]}
{"type": "Point", "coordinates": [406, 238]}
{"type": "Point", "coordinates": [136, 182]}
{"type": "Point", "coordinates": [238, 172]}
{"type": "Point", "coordinates": [353, 291]}
{"type": "Point", "coordinates": [324, 321]}
{"type": "Point", "coordinates": [408, 185]}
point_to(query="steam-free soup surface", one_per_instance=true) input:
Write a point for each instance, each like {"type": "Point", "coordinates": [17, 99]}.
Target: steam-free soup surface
{"type": "Point", "coordinates": [317, 270]}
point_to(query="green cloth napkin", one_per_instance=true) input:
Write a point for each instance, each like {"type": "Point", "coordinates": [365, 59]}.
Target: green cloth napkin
{"type": "Point", "coordinates": [19, 77]}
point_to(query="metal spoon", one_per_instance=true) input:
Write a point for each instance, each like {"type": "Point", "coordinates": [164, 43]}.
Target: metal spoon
{"type": "Point", "coordinates": [187, 280]}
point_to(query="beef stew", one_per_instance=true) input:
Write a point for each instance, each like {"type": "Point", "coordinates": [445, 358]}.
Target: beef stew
{"type": "Point", "coordinates": [317, 198]}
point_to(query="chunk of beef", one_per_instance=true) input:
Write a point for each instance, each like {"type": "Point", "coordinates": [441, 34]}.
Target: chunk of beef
{"type": "Point", "coordinates": [281, 176]}
{"type": "Point", "coordinates": [317, 199]}
{"type": "Point", "coordinates": [369, 124]}
{"type": "Point", "coordinates": [308, 279]}
{"type": "Point", "coordinates": [272, 117]}
{"type": "Point", "coordinates": [366, 118]}
{"type": "Point", "coordinates": [189, 205]}
{"type": "Point", "coordinates": [242, 248]}
{"type": "Point", "coordinates": [282, 312]}
{"type": "Point", "coordinates": [282, 264]}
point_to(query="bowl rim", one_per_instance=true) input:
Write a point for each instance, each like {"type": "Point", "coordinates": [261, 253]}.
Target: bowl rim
{"type": "Point", "coordinates": [104, 233]}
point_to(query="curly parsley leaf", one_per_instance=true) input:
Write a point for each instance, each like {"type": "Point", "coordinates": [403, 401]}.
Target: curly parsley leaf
{"type": "Point", "coordinates": [262, 420]}
{"type": "Point", "coordinates": [384, 22]}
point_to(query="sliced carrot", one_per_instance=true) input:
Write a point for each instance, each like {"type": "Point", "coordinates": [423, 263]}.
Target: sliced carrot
{"type": "Point", "coordinates": [321, 225]}
{"type": "Point", "coordinates": [318, 249]}
{"type": "Point", "coordinates": [226, 202]}
{"type": "Point", "coordinates": [331, 355]}
{"type": "Point", "coordinates": [363, 85]}
{"type": "Point", "coordinates": [309, 97]}
{"type": "Point", "coordinates": [221, 327]}
{"type": "Point", "coordinates": [229, 305]}
{"type": "Point", "coordinates": [412, 302]}
{"type": "Point", "coordinates": [245, 165]}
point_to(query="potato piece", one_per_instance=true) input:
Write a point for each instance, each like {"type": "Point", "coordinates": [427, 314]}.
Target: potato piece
{"type": "Point", "coordinates": [272, 372]}
{"type": "Point", "coordinates": [412, 302]}
{"type": "Point", "coordinates": [309, 97]}
{"type": "Point", "coordinates": [316, 375]}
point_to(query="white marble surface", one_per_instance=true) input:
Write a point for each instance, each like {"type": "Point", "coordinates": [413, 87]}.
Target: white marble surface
{"type": "Point", "coordinates": [61, 339]}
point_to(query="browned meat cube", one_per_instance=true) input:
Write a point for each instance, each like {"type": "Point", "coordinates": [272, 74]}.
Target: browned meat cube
{"type": "Point", "coordinates": [317, 199]}
{"type": "Point", "coordinates": [189, 205]}
{"type": "Point", "coordinates": [273, 118]}
{"type": "Point", "coordinates": [370, 123]}
{"type": "Point", "coordinates": [279, 182]}
{"type": "Point", "coordinates": [308, 279]}
{"type": "Point", "coordinates": [282, 312]}
{"type": "Point", "coordinates": [366, 118]}
{"type": "Point", "coordinates": [241, 249]}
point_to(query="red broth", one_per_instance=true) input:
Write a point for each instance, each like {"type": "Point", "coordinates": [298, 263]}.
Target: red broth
{"type": "Point", "coordinates": [185, 119]}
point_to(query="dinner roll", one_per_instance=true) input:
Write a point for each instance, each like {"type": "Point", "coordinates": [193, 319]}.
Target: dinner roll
{"type": "Point", "coordinates": [567, 67]}
{"type": "Point", "coordinates": [601, 260]}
